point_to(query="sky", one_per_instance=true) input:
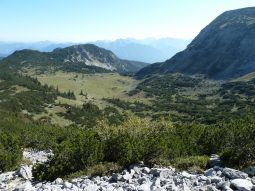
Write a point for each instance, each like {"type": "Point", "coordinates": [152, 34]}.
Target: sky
{"type": "Point", "coordinates": [89, 20]}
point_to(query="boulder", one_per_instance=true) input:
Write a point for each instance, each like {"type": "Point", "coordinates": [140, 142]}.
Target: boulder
{"type": "Point", "coordinates": [241, 184]}
{"type": "Point", "coordinates": [234, 174]}
{"type": "Point", "coordinates": [25, 172]}
{"type": "Point", "coordinates": [250, 171]}
{"type": "Point", "coordinates": [210, 172]}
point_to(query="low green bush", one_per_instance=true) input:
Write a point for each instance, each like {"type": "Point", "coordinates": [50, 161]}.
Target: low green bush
{"type": "Point", "coordinates": [10, 152]}
{"type": "Point", "coordinates": [197, 163]}
{"type": "Point", "coordinates": [78, 152]}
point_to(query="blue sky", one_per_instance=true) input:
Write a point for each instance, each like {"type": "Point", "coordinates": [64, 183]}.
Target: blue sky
{"type": "Point", "coordinates": [87, 20]}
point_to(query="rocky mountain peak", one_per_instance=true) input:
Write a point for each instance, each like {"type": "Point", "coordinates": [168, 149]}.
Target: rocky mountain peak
{"type": "Point", "coordinates": [222, 50]}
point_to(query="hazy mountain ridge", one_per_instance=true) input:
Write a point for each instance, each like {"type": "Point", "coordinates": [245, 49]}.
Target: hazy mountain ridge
{"type": "Point", "coordinates": [76, 58]}
{"type": "Point", "coordinates": [222, 50]}
{"type": "Point", "coordinates": [147, 50]}
{"type": "Point", "coordinates": [7, 48]}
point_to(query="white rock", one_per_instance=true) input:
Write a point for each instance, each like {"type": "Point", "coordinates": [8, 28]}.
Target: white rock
{"type": "Point", "coordinates": [27, 186]}
{"type": "Point", "coordinates": [188, 175]}
{"type": "Point", "coordinates": [59, 181]}
{"type": "Point", "coordinates": [91, 187]}
{"type": "Point", "coordinates": [126, 176]}
{"type": "Point", "coordinates": [6, 176]}
{"type": "Point", "coordinates": [36, 156]}
{"type": "Point", "coordinates": [25, 172]}
{"type": "Point", "coordinates": [144, 187]}
{"type": "Point", "coordinates": [68, 185]}
{"type": "Point", "coordinates": [146, 170]}
{"type": "Point", "coordinates": [242, 184]}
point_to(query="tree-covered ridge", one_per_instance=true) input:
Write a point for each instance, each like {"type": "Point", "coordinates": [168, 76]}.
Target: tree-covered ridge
{"type": "Point", "coordinates": [86, 58]}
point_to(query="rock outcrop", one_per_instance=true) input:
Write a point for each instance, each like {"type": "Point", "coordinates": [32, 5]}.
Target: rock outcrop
{"type": "Point", "coordinates": [140, 178]}
{"type": "Point", "coordinates": [136, 178]}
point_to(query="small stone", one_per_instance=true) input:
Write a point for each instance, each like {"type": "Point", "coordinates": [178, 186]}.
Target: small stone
{"type": "Point", "coordinates": [68, 185]}
{"type": "Point", "coordinates": [59, 181]}
{"type": "Point", "coordinates": [146, 170]}
{"type": "Point", "coordinates": [38, 185]}
{"type": "Point", "coordinates": [187, 175]}
{"type": "Point", "coordinates": [116, 177]}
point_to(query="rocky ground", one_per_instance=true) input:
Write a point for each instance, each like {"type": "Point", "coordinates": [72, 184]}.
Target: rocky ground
{"type": "Point", "coordinates": [136, 178]}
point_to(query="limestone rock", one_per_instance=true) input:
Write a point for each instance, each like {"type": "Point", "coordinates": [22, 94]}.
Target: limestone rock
{"type": "Point", "coordinates": [242, 184]}
{"type": "Point", "coordinates": [25, 172]}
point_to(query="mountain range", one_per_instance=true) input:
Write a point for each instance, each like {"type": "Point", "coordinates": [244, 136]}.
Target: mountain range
{"type": "Point", "coordinates": [76, 58]}
{"type": "Point", "coordinates": [148, 50]}
{"type": "Point", "coordinates": [222, 50]}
